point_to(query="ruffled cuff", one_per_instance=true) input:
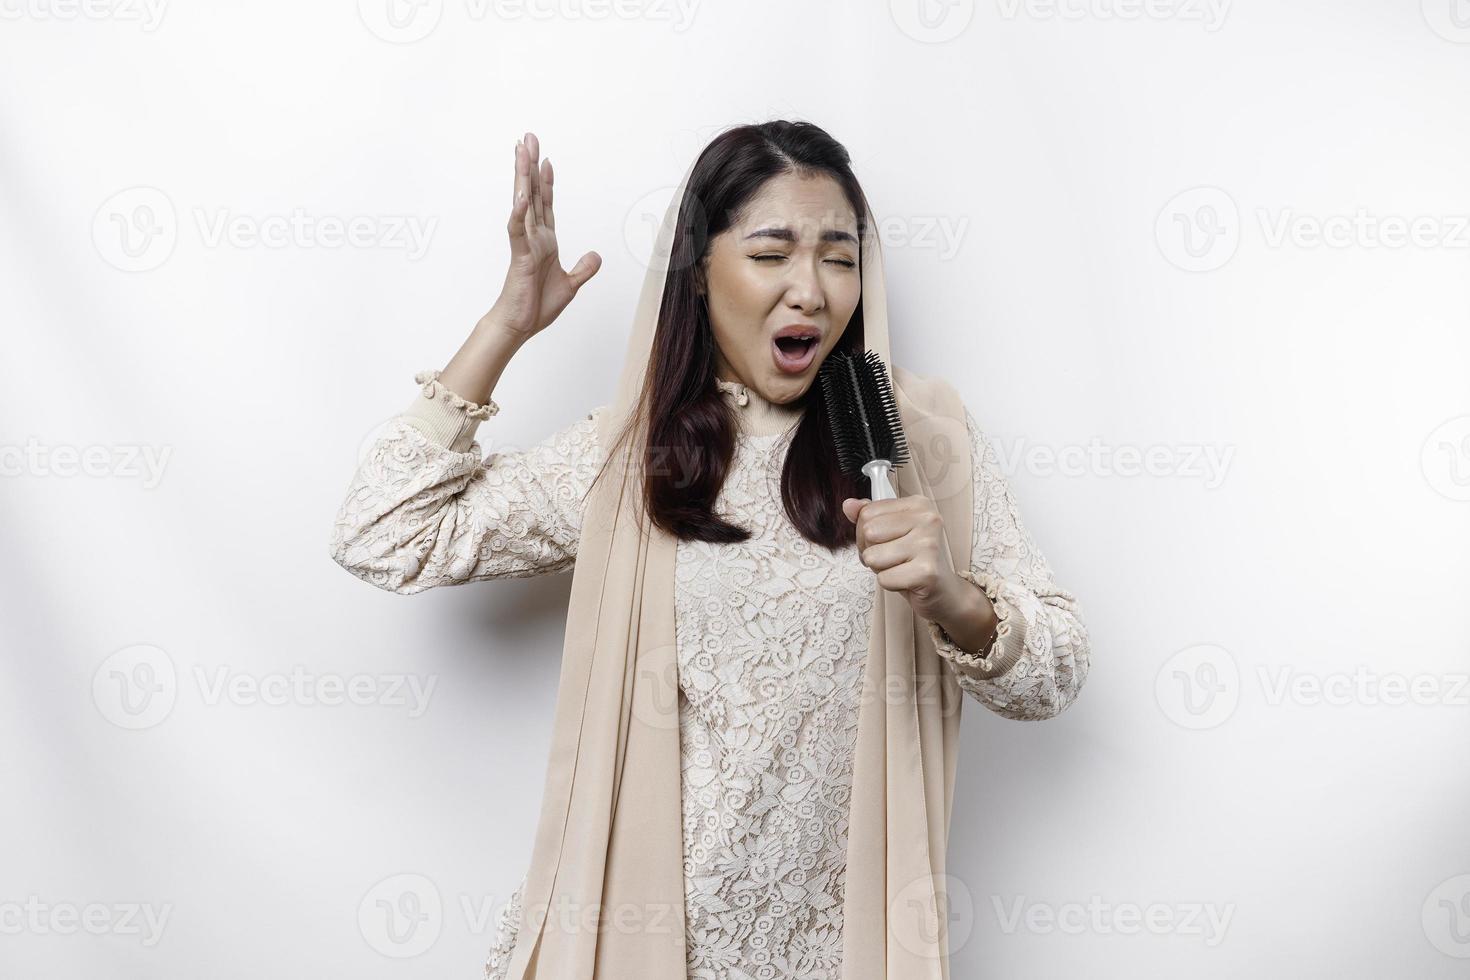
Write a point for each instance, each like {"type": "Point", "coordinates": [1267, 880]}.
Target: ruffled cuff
{"type": "Point", "coordinates": [444, 416]}
{"type": "Point", "coordinates": [1010, 635]}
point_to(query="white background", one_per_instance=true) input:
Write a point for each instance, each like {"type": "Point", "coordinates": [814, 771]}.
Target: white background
{"type": "Point", "coordinates": [1100, 226]}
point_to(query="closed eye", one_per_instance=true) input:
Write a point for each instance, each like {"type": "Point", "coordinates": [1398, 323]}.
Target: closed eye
{"type": "Point", "coordinates": [845, 263]}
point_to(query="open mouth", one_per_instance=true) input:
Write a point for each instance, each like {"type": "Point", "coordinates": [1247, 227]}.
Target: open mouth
{"type": "Point", "coordinates": [794, 354]}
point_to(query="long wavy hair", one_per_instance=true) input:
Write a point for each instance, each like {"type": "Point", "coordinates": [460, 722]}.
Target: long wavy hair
{"type": "Point", "coordinates": [689, 428]}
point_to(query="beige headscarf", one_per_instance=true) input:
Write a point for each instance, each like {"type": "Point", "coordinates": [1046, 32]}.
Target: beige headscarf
{"type": "Point", "coordinates": [604, 894]}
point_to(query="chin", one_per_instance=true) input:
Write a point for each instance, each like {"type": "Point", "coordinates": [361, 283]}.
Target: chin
{"type": "Point", "coordinates": [784, 389]}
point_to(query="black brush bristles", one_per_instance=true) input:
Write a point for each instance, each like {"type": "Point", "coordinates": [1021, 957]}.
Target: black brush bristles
{"type": "Point", "coordinates": [862, 410]}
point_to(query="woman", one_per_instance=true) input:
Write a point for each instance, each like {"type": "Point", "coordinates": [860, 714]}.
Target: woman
{"type": "Point", "coordinates": [782, 815]}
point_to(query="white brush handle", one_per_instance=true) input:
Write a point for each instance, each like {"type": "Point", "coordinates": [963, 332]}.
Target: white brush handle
{"type": "Point", "coordinates": [877, 473]}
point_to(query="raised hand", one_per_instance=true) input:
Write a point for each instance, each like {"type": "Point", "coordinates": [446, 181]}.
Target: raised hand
{"type": "Point", "coordinates": [536, 287]}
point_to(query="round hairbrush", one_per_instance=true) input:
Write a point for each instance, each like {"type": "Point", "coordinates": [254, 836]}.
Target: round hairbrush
{"type": "Point", "coordinates": [863, 413]}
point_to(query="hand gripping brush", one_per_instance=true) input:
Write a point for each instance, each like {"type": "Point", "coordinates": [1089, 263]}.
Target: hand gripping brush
{"type": "Point", "coordinates": [866, 427]}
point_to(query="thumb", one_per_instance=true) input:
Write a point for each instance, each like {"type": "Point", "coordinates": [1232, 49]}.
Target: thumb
{"type": "Point", "coordinates": [585, 269]}
{"type": "Point", "coordinates": [853, 506]}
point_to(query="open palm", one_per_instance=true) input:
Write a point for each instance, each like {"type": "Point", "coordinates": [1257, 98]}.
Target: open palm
{"type": "Point", "coordinates": [536, 287]}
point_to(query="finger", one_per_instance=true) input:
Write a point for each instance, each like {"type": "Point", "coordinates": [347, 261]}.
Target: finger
{"type": "Point", "coordinates": [585, 269]}
{"type": "Point", "coordinates": [854, 507]}
{"type": "Point", "coordinates": [901, 516]}
{"type": "Point", "coordinates": [525, 188]}
{"type": "Point", "coordinates": [878, 508]}
{"type": "Point", "coordinates": [519, 201]}
{"type": "Point", "coordinates": [534, 147]}
{"type": "Point", "coordinates": [887, 526]}
{"type": "Point", "coordinates": [521, 184]}
{"type": "Point", "coordinates": [902, 578]}
{"type": "Point", "coordinates": [547, 178]}
{"type": "Point", "coordinates": [516, 225]}
{"type": "Point", "coordinates": [880, 520]}
{"type": "Point", "coordinates": [864, 522]}
{"type": "Point", "coordinates": [890, 553]}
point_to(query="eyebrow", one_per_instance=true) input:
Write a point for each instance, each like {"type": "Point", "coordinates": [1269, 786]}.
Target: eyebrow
{"type": "Point", "coordinates": [787, 235]}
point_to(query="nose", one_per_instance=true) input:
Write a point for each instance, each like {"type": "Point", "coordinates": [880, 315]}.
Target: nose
{"type": "Point", "coordinates": [804, 291]}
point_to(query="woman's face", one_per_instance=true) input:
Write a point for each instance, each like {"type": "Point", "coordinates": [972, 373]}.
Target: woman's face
{"type": "Point", "coordinates": [788, 266]}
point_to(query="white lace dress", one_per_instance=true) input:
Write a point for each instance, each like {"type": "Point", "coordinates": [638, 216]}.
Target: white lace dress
{"type": "Point", "coordinates": [771, 635]}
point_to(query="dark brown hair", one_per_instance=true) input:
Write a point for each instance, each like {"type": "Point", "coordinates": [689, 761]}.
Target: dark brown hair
{"type": "Point", "coordinates": [690, 427]}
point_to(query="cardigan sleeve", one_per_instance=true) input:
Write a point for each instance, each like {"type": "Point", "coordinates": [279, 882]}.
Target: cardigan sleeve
{"type": "Point", "coordinates": [424, 509]}
{"type": "Point", "coordinates": [1040, 656]}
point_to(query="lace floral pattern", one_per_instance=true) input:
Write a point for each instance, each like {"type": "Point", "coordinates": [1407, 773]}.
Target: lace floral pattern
{"type": "Point", "coordinates": [419, 514]}
{"type": "Point", "coordinates": [498, 961]}
{"type": "Point", "coordinates": [772, 634]}
{"type": "Point", "coordinates": [1041, 654]}
{"type": "Point", "coordinates": [772, 638]}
